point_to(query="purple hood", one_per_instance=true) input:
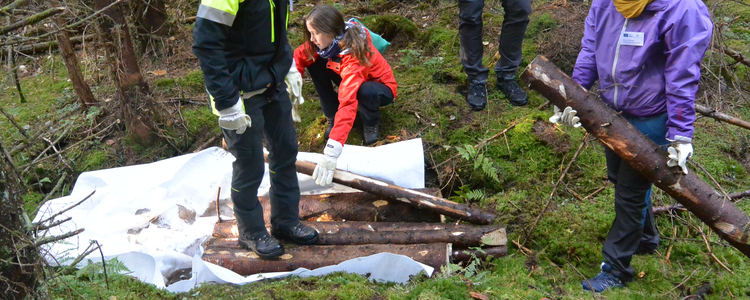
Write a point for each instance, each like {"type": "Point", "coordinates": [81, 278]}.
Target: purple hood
{"type": "Point", "coordinates": [660, 76]}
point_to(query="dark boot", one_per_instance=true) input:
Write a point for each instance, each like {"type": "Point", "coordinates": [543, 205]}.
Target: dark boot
{"type": "Point", "coordinates": [513, 92]}
{"type": "Point", "coordinates": [298, 234]}
{"type": "Point", "coordinates": [477, 95]}
{"type": "Point", "coordinates": [329, 126]}
{"type": "Point", "coordinates": [602, 281]}
{"type": "Point", "coordinates": [371, 134]}
{"type": "Point", "coordinates": [264, 245]}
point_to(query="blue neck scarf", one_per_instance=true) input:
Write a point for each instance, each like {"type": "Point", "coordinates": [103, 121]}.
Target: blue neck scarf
{"type": "Point", "coordinates": [334, 49]}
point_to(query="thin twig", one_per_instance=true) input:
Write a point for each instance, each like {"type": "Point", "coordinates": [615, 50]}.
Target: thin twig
{"type": "Point", "coordinates": [40, 227]}
{"type": "Point", "coordinates": [593, 294]}
{"type": "Point", "coordinates": [712, 178]}
{"type": "Point", "coordinates": [595, 192]}
{"type": "Point", "coordinates": [482, 143]}
{"type": "Point", "coordinates": [524, 250]}
{"type": "Point", "coordinates": [681, 283]}
{"type": "Point", "coordinates": [711, 252]}
{"type": "Point", "coordinates": [218, 214]}
{"type": "Point", "coordinates": [37, 158]}
{"type": "Point", "coordinates": [67, 209]}
{"type": "Point", "coordinates": [85, 253]}
{"type": "Point", "coordinates": [48, 240]}
{"type": "Point", "coordinates": [54, 189]}
{"type": "Point", "coordinates": [58, 154]}
{"type": "Point", "coordinates": [104, 264]}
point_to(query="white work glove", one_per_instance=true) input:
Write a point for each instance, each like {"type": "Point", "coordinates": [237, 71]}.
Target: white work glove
{"type": "Point", "coordinates": [234, 118]}
{"type": "Point", "coordinates": [294, 87]}
{"type": "Point", "coordinates": [567, 117]}
{"type": "Point", "coordinates": [323, 173]}
{"type": "Point", "coordinates": [679, 152]}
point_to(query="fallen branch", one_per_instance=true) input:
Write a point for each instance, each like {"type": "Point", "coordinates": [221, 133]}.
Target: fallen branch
{"type": "Point", "coordinates": [12, 6]}
{"type": "Point", "coordinates": [711, 252]}
{"type": "Point", "coordinates": [739, 195]}
{"type": "Point", "coordinates": [710, 112]}
{"type": "Point", "coordinates": [32, 19]}
{"type": "Point", "coordinates": [736, 56]}
{"type": "Point", "coordinates": [13, 121]}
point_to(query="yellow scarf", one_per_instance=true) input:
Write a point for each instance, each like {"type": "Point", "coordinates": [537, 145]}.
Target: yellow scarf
{"type": "Point", "coordinates": [631, 8]}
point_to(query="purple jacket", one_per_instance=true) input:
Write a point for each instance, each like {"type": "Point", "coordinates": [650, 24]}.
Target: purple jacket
{"type": "Point", "coordinates": [650, 64]}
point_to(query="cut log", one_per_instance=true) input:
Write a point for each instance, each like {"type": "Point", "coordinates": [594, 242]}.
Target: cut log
{"type": "Point", "coordinates": [466, 255]}
{"type": "Point", "coordinates": [358, 206]}
{"type": "Point", "coordinates": [361, 233]}
{"type": "Point", "coordinates": [409, 196]}
{"type": "Point", "coordinates": [718, 212]}
{"type": "Point", "coordinates": [245, 262]}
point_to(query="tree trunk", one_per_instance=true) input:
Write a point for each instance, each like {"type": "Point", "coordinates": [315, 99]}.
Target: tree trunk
{"type": "Point", "coordinates": [137, 108]}
{"type": "Point", "coordinates": [151, 18]}
{"type": "Point", "coordinates": [74, 71]}
{"type": "Point", "coordinates": [227, 254]}
{"type": "Point", "coordinates": [20, 271]}
{"type": "Point", "coordinates": [411, 197]}
{"type": "Point", "coordinates": [718, 212]}
{"type": "Point", "coordinates": [360, 233]}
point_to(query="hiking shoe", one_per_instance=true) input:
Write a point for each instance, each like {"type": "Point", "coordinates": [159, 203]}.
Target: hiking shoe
{"type": "Point", "coordinates": [477, 95]}
{"type": "Point", "coordinates": [298, 234]}
{"type": "Point", "coordinates": [602, 281]}
{"type": "Point", "coordinates": [264, 245]}
{"type": "Point", "coordinates": [371, 134]}
{"type": "Point", "coordinates": [329, 126]}
{"type": "Point", "coordinates": [513, 92]}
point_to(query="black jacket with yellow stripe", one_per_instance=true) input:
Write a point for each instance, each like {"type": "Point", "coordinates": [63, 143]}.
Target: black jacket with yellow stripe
{"type": "Point", "coordinates": [242, 47]}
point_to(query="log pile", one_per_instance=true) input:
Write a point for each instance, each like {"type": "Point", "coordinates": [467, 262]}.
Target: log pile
{"type": "Point", "coordinates": [383, 219]}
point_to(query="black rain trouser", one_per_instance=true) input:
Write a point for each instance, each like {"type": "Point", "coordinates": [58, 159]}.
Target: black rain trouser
{"type": "Point", "coordinates": [509, 45]}
{"type": "Point", "coordinates": [634, 218]}
{"type": "Point", "coordinates": [370, 96]}
{"type": "Point", "coordinates": [274, 120]}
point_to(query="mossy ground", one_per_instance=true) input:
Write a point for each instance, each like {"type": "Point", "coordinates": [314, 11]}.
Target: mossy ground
{"type": "Point", "coordinates": [530, 158]}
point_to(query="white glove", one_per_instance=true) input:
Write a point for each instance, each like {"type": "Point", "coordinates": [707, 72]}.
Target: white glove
{"type": "Point", "coordinates": [679, 152]}
{"type": "Point", "coordinates": [235, 118]}
{"type": "Point", "coordinates": [567, 117]}
{"type": "Point", "coordinates": [323, 173]}
{"type": "Point", "coordinates": [294, 87]}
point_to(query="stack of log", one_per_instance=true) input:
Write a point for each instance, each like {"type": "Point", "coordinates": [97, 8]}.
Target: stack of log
{"type": "Point", "coordinates": [380, 218]}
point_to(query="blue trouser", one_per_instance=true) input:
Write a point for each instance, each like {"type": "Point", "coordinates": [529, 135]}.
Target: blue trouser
{"type": "Point", "coordinates": [509, 45]}
{"type": "Point", "coordinates": [634, 219]}
{"type": "Point", "coordinates": [272, 118]}
{"type": "Point", "coordinates": [370, 96]}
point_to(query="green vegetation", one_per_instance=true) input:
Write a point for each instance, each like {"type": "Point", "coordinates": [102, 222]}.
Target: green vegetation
{"type": "Point", "coordinates": [513, 174]}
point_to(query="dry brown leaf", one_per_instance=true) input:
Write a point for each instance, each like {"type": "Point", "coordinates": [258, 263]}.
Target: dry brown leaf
{"type": "Point", "coordinates": [160, 72]}
{"type": "Point", "coordinates": [641, 274]}
{"type": "Point", "coordinates": [476, 295]}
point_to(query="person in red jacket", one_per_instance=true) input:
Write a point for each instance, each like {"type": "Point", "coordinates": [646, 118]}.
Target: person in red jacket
{"type": "Point", "coordinates": [342, 53]}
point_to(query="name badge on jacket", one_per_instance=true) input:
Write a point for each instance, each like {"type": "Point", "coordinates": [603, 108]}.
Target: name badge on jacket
{"type": "Point", "coordinates": [629, 38]}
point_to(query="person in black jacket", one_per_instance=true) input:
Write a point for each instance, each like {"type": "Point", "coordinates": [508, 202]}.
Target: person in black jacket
{"type": "Point", "coordinates": [245, 56]}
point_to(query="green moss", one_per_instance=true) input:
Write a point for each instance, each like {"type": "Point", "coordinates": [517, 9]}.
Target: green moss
{"type": "Point", "coordinates": [31, 201]}
{"type": "Point", "coordinates": [540, 24]}
{"type": "Point", "coordinates": [193, 82]}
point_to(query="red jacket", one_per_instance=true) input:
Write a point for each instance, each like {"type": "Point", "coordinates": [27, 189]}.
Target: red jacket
{"type": "Point", "coordinates": [353, 74]}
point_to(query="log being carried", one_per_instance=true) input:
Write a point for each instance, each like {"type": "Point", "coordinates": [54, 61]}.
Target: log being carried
{"type": "Point", "coordinates": [717, 211]}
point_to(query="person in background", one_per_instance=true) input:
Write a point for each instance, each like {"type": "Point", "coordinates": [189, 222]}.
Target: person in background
{"type": "Point", "coordinates": [245, 56]}
{"type": "Point", "coordinates": [509, 46]}
{"type": "Point", "coordinates": [342, 53]}
{"type": "Point", "coordinates": [646, 55]}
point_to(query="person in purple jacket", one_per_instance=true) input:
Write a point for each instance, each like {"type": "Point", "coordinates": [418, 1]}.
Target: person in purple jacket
{"type": "Point", "coordinates": [646, 55]}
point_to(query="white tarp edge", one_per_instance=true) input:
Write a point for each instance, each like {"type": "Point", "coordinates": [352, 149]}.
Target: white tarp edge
{"type": "Point", "coordinates": [155, 217]}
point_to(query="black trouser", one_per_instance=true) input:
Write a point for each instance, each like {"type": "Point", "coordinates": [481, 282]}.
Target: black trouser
{"type": "Point", "coordinates": [509, 45]}
{"type": "Point", "coordinates": [370, 96]}
{"type": "Point", "coordinates": [634, 218]}
{"type": "Point", "coordinates": [273, 118]}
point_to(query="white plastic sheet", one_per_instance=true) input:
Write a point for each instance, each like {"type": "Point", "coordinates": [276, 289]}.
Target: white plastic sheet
{"type": "Point", "coordinates": [155, 217]}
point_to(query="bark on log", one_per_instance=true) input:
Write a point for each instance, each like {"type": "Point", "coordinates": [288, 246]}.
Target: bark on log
{"type": "Point", "coordinates": [358, 206]}
{"type": "Point", "coordinates": [719, 213]}
{"type": "Point", "coordinates": [85, 97]}
{"type": "Point", "coordinates": [45, 47]}
{"type": "Point", "coordinates": [32, 19]}
{"type": "Point", "coordinates": [411, 197]}
{"type": "Point", "coordinates": [361, 233]}
{"type": "Point", "coordinates": [245, 262]}
{"type": "Point", "coordinates": [710, 112]}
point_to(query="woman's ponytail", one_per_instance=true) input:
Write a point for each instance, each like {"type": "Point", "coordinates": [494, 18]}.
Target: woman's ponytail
{"type": "Point", "coordinates": [355, 39]}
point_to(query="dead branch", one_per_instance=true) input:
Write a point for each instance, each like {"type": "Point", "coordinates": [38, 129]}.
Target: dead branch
{"type": "Point", "coordinates": [58, 152]}
{"type": "Point", "coordinates": [32, 19]}
{"type": "Point", "coordinates": [736, 56]}
{"type": "Point", "coordinates": [13, 121]}
{"type": "Point", "coordinates": [51, 225]}
{"type": "Point", "coordinates": [65, 210]}
{"type": "Point", "coordinates": [739, 195]}
{"type": "Point", "coordinates": [104, 264]}
{"type": "Point", "coordinates": [710, 112]}
{"type": "Point", "coordinates": [85, 253]}
{"type": "Point", "coordinates": [711, 252]}
{"type": "Point", "coordinates": [53, 239]}
{"type": "Point", "coordinates": [668, 208]}
{"type": "Point", "coordinates": [52, 144]}
{"type": "Point", "coordinates": [12, 6]}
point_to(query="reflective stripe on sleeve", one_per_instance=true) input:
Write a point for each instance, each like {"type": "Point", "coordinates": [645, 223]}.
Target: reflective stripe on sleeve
{"type": "Point", "coordinates": [222, 14]}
